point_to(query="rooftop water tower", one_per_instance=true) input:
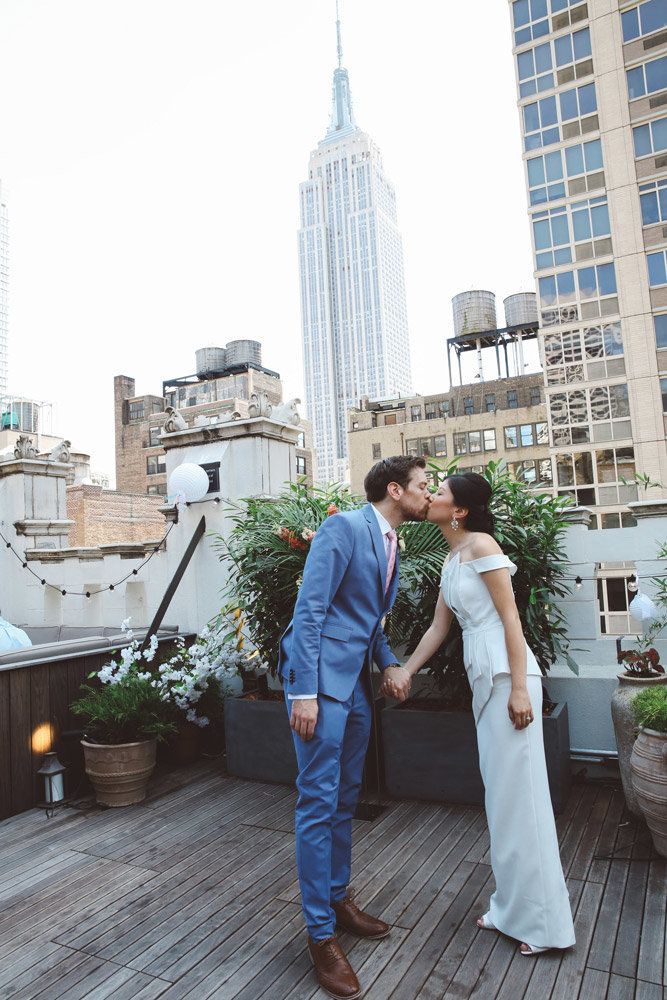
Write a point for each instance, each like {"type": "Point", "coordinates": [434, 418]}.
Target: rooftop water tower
{"type": "Point", "coordinates": [474, 312]}
{"type": "Point", "coordinates": [520, 309]}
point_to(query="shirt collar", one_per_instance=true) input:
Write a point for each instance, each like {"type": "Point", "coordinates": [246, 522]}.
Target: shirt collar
{"type": "Point", "coordinates": [385, 526]}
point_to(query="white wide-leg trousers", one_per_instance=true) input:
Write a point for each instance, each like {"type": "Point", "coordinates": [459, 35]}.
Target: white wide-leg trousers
{"type": "Point", "coordinates": [531, 902]}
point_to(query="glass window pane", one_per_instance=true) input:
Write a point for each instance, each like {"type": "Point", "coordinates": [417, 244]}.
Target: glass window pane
{"type": "Point", "coordinates": [600, 219]}
{"type": "Point", "coordinates": [531, 118]}
{"type": "Point", "coordinates": [663, 390]}
{"type": "Point", "coordinates": [565, 282]}
{"type": "Point", "coordinates": [662, 201]}
{"type": "Point", "coordinates": [543, 58]}
{"type": "Point", "coordinates": [548, 290]}
{"type": "Point", "coordinates": [630, 24]}
{"type": "Point", "coordinates": [574, 158]}
{"type": "Point", "coordinates": [606, 279]}
{"type": "Point", "coordinates": [545, 82]}
{"type": "Point", "coordinates": [660, 330]}
{"type": "Point", "coordinates": [538, 8]}
{"type": "Point", "coordinates": [656, 75]}
{"type": "Point", "coordinates": [542, 234]}
{"type": "Point", "coordinates": [659, 133]}
{"type": "Point", "coordinates": [511, 437]}
{"type": "Point", "coordinates": [554, 166]}
{"type": "Point", "coordinates": [560, 230]}
{"type": "Point", "coordinates": [656, 269]}
{"type": "Point", "coordinates": [581, 41]}
{"type": "Point", "coordinates": [586, 281]}
{"type": "Point", "coordinates": [653, 15]}
{"type": "Point", "coordinates": [593, 155]}
{"type": "Point", "coordinates": [536, 171]}
{"type": "Point", "coordinates": [649, 203]}
{"type": "Point", "coordinates": [635, 82]}
{"type": "Point", "coordinates": [548, 112]}
{"type": "Point", "coordinates": [540, 29]}
{"type": "Point", "coordinates": [526, 64]}
{"type": "Point", "coordinates": [520, 13]}
{"type": "Point", "coordinates": [642, 138]}
{"type": "Point", "coordinates": [581, 224]}
{"type": "Point", "coordinates": [563, 50]}
{"type": "Point", "coordinates": [569, 106]}
{"type": "Point", "coordinates": [526, 435]}
{"type": "Point", "coordinates": [587, 100]}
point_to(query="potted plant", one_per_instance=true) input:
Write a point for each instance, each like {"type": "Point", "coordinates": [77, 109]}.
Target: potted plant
{"type": "Point", "coordinates": [266, 552]}
{"type": "Point", "coordinates": [436, 723]}
{"type": "Point", "coordinates": [642, 670]}
{"type": "Point", "coordinates": [649, 762]}
{"type": "Point", "coordinates": [193, 683]}
{"type": "Point", "coordinates": [124, 716]}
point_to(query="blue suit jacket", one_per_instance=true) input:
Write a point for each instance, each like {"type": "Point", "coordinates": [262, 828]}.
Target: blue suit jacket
{"type": "Point", "coordinates": [337, 619]}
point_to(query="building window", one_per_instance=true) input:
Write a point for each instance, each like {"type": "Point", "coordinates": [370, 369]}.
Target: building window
{"type": "Point", "coordinates": [415, 413]}
{"type": "Point", "coordinates": [431, 411]}
{"type": "Point", "coordinates": [558, 233]}
{"type": "Point", "coordinates": [511, 437]}
{"type": "Point", "coordinates": [390, 418]}
{"type": "Point", "coordinates": [301, 465]}
{"type": "Point", "coordinates": [136, 411]}
{"type": "Point", "coordinates": [474, 441]}
{"type": "Point", "coordinates": [535, 395]}
{"type": "Point", "coordinates": [592, 285]}
{"type": "Point", "coordinates": [527, 436]}
{"type": "Point", "coordinates": [490, 402]}
{"type": "Point", "coordinates": [440, 445]}
{"type": "Point", "coordinates": [547, 173]}
{"type": "Point", "coordinates": [156, 408]}
{"type": "Point", "coordinates": [468, 405]}
{"type": "Point", "coordinates": [650, 138]}
{"type": "Point", "coordinates": [377, 452]}
{"type": "Point", "coordinates": [644, 19]}
{"type": "Point", "coordinates": [512, 399]}
{"type": "Point", "coordinates": [663, 390]}
{"type": "Point", "coordinates": [460, 444]}
{"type": "Point", "coordinates": [489, 439]}
{"type": "Point", "coordinates": [154, 437]}
{"type": "Point", "coordinates": [536, 66]}
{"type": "Point", "coordinates": [648, 78]}
{"type": "Point", "coordinates": [412, 447]}
{"type": "Point", "coordinates": [542, 120]}
{"type": "Point", "coordinates": [446, 409]}
{"type": "Point", "coordinates": [155, 464]}
{"type": "Point", "coordinates": [542, 433]}
{"type": "Point", "coordinates": [660, 323]}
{"type": "Point", "coordinates": [657, 268]}
{"type": "Point", "coordinates": [158, 489]}
{"type": "Point", "coordinates": [301, 440]}
{"type": "Point", "coordinates": [612, 586]}
{"type": "Point", "coordinates": [653, 199]}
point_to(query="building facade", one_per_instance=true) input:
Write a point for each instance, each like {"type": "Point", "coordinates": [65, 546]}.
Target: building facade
{"type": "Point", "coordinates": [502, 419]}
{"type": "Point", "coordinates": [353, 307]}
{"type": "Point", "coordinates": [138, 420]}
{"type": "Point", "coordinates": [4, 293]}
{"type": "Point", "coordinates": [592, 95]}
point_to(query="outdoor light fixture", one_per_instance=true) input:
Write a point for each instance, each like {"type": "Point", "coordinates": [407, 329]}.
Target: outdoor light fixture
{"type": "Point", "coordinates": [578, 583]}
{"type": "Point", "coordinates": [633, 586]}
{"type": "Point", "coordinates": [52, 772]}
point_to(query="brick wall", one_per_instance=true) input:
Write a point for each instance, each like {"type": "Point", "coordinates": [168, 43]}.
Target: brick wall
{"type": "Point", "coordinates": [105, 516]}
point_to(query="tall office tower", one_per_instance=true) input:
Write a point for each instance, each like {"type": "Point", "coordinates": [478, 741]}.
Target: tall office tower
{"type": "Point", "coordinates": [4, 290]}
{"type": "Point", "coordinates": [592, 85]}
{"type": "Point", "coordinates": [354, 317]}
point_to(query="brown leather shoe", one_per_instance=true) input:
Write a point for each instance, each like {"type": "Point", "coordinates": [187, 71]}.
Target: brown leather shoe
{"type": "Point", "coordinates": [334, 972]}
{"type": "Point", "coordinates": [350, 918]}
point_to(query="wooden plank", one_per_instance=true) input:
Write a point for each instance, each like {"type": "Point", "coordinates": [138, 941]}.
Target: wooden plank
{"type": "Point", "coordinates": [604, 937]}
{"type": "Point", "coordinates": [573, 963]}
{"type": "Point", "coordinates": [493, 974]}
{"type": "Point", "coordinates": [603, 857]}
{"type": "Point", "coordinates": [583, 857]}
{"type": "Point", "coordinates": [20, 750]}
{"type": "Point", "coordinates": [5, 748]}
{"type": "Point", "coordinates": [652, 955]}
{"type": "Point", "coordinates": [594, 985]}
{"type": "Point", "coordinates": [626, 952]}
{"type": "Point", "coordinates": [648, 991]}
{"type": "Point", "coordinates": [621, 988]}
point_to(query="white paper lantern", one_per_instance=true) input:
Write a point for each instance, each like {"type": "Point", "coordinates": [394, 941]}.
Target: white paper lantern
{"type": "Point", "coordinates": [188, 482]}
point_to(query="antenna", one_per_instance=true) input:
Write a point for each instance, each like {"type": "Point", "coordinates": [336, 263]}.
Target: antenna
{"type": "Point", "coordinates": [338, 40]}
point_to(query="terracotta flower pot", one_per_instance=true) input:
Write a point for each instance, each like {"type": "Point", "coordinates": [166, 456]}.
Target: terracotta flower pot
{"type": "Point", "coordinates": [119, 773]}
{"type": "Point", "coordinates": [649, 774]}
{"type": "Point", "coordinates": [624, 728]}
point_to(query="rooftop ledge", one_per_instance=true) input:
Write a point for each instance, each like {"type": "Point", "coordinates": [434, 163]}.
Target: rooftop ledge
{"type": "Point", "coordinates": [126, 550]}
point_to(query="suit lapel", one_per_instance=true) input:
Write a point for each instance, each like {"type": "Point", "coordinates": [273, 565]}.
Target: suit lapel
{"type": "Point", "coordinates": [378, 544]}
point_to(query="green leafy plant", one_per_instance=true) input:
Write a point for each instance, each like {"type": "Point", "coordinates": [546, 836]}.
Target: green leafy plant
{"type": "Point", "coordinates": [267, 548]}
{"type": "Point", "coordinates": [127, 712]}
{"type": "Point", "coordinates": [650, 708]}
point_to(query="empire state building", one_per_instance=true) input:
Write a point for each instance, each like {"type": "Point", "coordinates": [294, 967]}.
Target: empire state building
{"type": "Point", "coordinates": [353, 309]}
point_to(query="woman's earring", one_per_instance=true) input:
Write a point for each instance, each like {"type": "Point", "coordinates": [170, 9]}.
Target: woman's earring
{"type": "Point", "coordinates": [455, 523]}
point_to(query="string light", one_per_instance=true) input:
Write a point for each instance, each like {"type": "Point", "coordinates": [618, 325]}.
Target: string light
{"type": "Point", "coordinates": [578, 583]}
{"type": "Point", "coordinates": [88, 593]}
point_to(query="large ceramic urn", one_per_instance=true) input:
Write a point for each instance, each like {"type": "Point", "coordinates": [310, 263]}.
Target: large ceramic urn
{"type": "Point", "coordinates": [649, 774]}
{"type": "Point", "coordinates": [625, 729]}
{"type": "Point", "coordinates": [119, 773]}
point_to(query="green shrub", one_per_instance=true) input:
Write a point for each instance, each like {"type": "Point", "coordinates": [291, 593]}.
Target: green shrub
{"type": "Point", "coordinates": [126, 712]}
{"type": "Point", "coordinates": [650, 708]}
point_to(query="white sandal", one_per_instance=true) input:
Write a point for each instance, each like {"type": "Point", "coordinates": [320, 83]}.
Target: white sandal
{"type": "Point", "coordinates": [484, 923]}
{"type": "Point", "coordinates": [531, 949]}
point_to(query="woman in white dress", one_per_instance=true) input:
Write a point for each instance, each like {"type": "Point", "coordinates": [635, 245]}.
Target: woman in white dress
{"type": "Point", "coordinates": [531, 902]}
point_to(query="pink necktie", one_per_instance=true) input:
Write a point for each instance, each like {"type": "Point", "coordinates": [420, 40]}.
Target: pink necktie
{"type": "Point", "coordinates": [391, 558]}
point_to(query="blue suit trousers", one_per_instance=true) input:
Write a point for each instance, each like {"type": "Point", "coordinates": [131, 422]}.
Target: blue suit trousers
{"type": "Point", "coordinates": [331, 767]}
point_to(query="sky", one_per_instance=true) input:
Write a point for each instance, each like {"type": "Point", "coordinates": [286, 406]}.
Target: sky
{"type": "Point", "coordinates": [150, 158]}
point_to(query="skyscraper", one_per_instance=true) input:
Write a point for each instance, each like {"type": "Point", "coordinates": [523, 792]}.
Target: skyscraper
{"type": "Point", "coordinates": [592, 94]}
{"type": "Point", "coordinates": [4, 289]}
{"type": "Point", "coordinates": [354, 317]}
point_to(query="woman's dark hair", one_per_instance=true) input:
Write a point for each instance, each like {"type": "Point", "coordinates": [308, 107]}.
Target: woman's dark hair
{"type": "Point", "coordinates": [396, 469]}
{"type": "Point", "coordinates": [473, 491]}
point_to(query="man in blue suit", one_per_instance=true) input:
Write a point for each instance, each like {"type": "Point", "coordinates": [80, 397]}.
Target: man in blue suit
{"type": "Point", "coordinates": [349, 584]}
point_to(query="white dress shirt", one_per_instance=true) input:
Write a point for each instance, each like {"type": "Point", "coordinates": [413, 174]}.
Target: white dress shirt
{"type": "Point", "coordinates": [385, 528]}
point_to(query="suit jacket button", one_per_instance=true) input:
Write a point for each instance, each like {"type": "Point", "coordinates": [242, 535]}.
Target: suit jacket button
{"type": "Point", "coordinates": [291, 677]}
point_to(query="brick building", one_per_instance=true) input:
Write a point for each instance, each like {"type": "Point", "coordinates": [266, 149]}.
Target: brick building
{"type": "Point", "coordinates": [104, 517]}
{"type": "Point", "coordinates": [504, 418]}
{"type": "Point", "coordinates": [225, 380]}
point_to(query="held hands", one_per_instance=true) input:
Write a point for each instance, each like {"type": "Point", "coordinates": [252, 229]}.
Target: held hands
{"type": "Point", "coordinates": [396, 682]}
{"type": "Point", "coordinates": [303, 717]}
{"type": "Point", "coordinates": [519, 708]}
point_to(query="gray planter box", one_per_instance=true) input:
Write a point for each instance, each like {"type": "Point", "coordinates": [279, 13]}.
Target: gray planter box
{"type": "Point", "coordinates": [259, 740]}
{"type": "Point", "coordinates": [433, 756]}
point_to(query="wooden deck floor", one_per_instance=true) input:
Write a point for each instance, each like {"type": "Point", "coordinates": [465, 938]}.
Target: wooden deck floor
{"type": "Point", "coordinates": [192, 894]}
